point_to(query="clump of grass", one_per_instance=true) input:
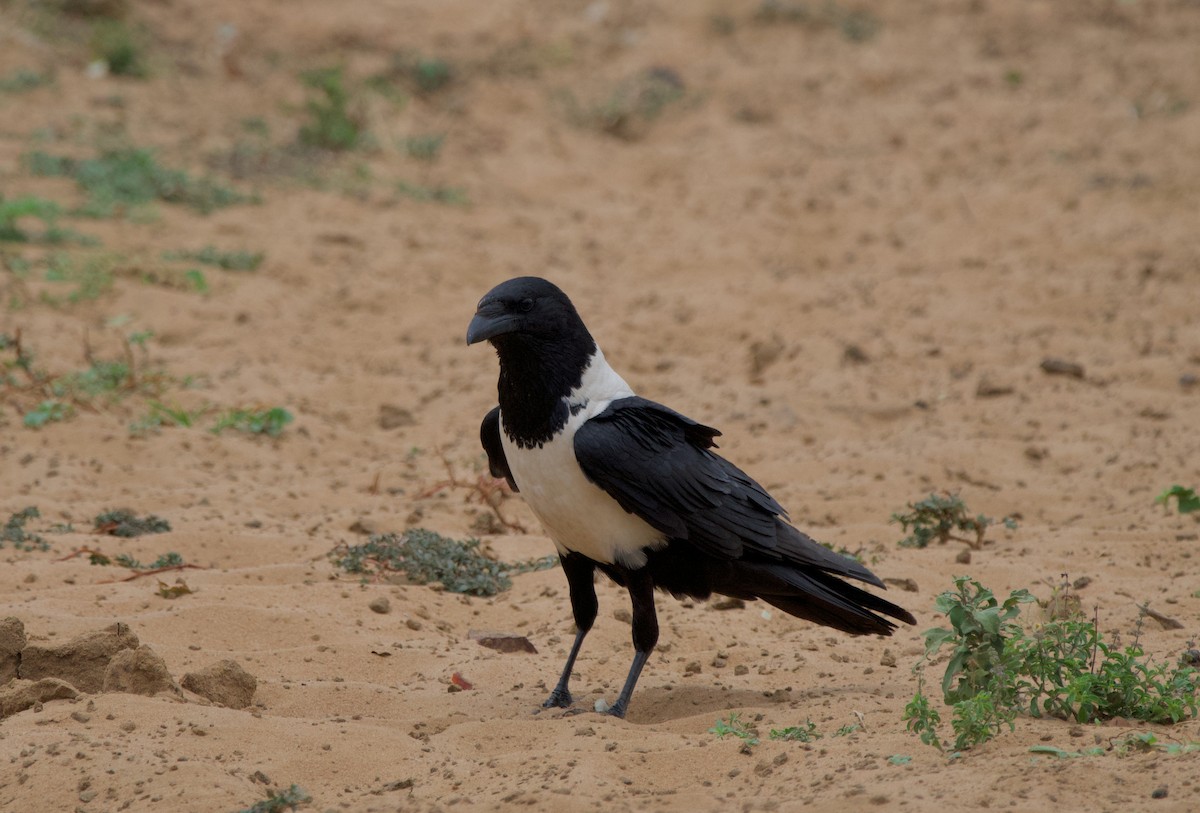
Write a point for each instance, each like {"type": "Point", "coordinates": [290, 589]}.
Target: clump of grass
{"type": "Point", "coordinates": [939, 517]}
{"type": "Point", "coordinates": [279, 801]}
{"type": "Point", "coordinates": [90, 273]}
{"type": "Point", "coordinates": [16, 214]}
{"type": "Point", "coordinates": [424, 147]}
{"type": "Point", "coordinates": [447, 195]}
{"type": "Point", "coordinates": [1066, 668]}
{"type": "Point", "coordinates": [120, 47]}
{"type": "Point", "coordinates": [424, 557]}
{"type": "Point", "coordinates": [1186, 499]}
{"type": "Point", "coordinates": [628, 110]}
{"type": "Point", "coordinates": [227, 260]}
{"type": "Point", "coordinates": [854, 25]}
{"type": "Point", "coordinates": [166, 560]}
{"type": "Point", "coordinates": [14, 532]}
{"type": "Point", "coordinates": [23, 80]}
{"type": "Point", "coordinates": [161, 415]}
{"type": "Point", "coordinates": [266, 421]}
{"type": "Point", "coordinates": [121, 179]}
{"type": "Point", "coordinates": [424, 75]}
{"type": "Point", "coordinates": [124, 523]}
{"type": "Point", "coordinates": [332, 124]}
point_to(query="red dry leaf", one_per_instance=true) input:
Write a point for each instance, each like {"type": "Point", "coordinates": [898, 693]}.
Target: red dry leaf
{"type": "Point", "coordinates": [461, 682]}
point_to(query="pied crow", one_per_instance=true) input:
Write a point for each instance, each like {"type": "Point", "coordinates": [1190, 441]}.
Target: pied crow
{"type": "Point", "coordinates": [627, 486]}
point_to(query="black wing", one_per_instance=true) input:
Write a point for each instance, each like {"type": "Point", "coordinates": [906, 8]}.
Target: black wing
{"type": "Point", "coordinates": [489, 436]}
{"type": "Point", "coordinates": [658, 465]}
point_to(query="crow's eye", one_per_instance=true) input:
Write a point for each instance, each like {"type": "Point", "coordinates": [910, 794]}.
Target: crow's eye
{"type": "Point", "coordinates": [525, 305]}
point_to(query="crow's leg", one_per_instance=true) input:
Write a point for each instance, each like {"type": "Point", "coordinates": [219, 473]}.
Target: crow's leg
{"type": "Point", "coordinates": [579, 570]}
{"type": "Point", "coordinates": [645, 632]}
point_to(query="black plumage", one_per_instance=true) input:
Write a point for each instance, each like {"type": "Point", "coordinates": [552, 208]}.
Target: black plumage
{"type": "Point", "coordinates": [694, 524]}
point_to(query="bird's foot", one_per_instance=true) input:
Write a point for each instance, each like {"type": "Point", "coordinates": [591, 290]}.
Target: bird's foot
{"type": "Point", "coordinates": [560, 698]}
{"type": "Point", "coordinates": [617, 709]}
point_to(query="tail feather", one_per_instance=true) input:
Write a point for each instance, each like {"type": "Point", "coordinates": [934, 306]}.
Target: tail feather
{"type": "Point", "coordinates": [820, 597]}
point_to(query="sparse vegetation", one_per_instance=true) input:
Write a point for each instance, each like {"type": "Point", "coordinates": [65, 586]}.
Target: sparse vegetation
{"type": "Point", "coordinates": [424, 147]}
{"type": "Point", "coordinates": [14, 533]}
{"type": "Point", "coordinates": [261, 421]}
{"type": "Point", "coordinates": [733, 726]}
{"type": "Point", "coordinates": [1186, 499]}
{"type": "Point", "coordinates": [940, 517]}
{"type": "Point", "coordinates": [23, 80]}
{"type": "Point", "coordinates": [49, 411]}
{"type": "Point", "coordinates": [425, 557]}
{"type": "Point", "coordinates": [855, 25]}
{"type": "Point", "coordinates": [279, 801]}
{"type": "Point", "coordinates": [449, 195]}
{"type": "Point", "coordinates": [122, 179]}
{"type": "Point", "coordinates": [1065, 668]}
{"type": "Point", "coordinates": [423, 75]}
{"type": "Point", "coordinates": [628, 110]}
{"type": "Point", "coordinates": [166, 560]}
{"type": "Point", "coordinates": [800, 733]}
{"type": "Point", "coordinates": [161, 415]}
{"type": "Point", "coordinates": [332, 124]}
{"type": "Point", "coordinates": [226, 260]}
{"type": "Point", "coordinates": [124, 523]}
{"type": "Point", "coordinates": [121, 47]}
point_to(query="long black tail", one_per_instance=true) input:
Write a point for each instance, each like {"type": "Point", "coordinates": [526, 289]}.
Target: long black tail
{"type": "Point", "coordinates": [817, 596]}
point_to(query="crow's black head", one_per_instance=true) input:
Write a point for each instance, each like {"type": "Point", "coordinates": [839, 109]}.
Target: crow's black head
{"type": "Point", "coordinates": [528, 308]}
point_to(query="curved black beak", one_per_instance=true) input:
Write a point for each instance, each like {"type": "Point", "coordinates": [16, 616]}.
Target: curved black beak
{"type": "Point", "coordinates": [490, 320]}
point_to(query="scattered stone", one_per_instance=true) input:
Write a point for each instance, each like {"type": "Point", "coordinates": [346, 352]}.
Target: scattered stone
{"type": "Point", "coordinates": [1037, 453]}
{"type": "Point", "coordinates": [692, 668]}
{"type": "Point", "coordinates": [502, 641]}
{"type": "Point", "coordinates": [1188, 380]}
{"type": "Point", "coordinates": [82, 661]}
{"type": "Point", "coordinates": [413, 624]}
{"type": "Point", "coordinates": [887, 659]}
{"type": "Point", "coordinates": [907, 585]}
{"type": "Point", "coordinates": [741, 669]}
{"type": "Point", "coordinates": [719, 661]}
{"type": "Point", "coordinates": [20, 695]}
{"type": "Point", "coordinates": [129, 726]}
{"type": "Point", "coordinates": [381, 605]}
{"type": "Point", "coordinates": [991, 389]}
{"type": "Point", "coordinates": [394, 417]}
{"type": "Point", "coordinates": [1081, 582]}
{"type": "Point", "coordinates": [138, 671]}
{"type": "Point", "coordinates": [623, 614]}
{"type": "Point", "coordinates": [727, 603]}
{"type": "Point", "coordinates": [224, 682]}
{"type": "Point", "coordinates": [1190, 657]}
{"type": "Point", "coordinates": [964, 557]}
{"type": "Point", "coordinates": [81, 716]}
{"type": "Point", "coordinates": [763, 354]}
{"type": "Point", "coordinates": [1158, 793]}
{"type": "Point", "coordinates": [12, 641]}
{"type": "Point", "coordinates": [853, 354]}
{"type": "Point", "coordinates": [1053, 366]}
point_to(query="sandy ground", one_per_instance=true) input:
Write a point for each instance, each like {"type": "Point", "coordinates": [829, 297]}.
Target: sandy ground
{"type": "Point", "coordinates": [829, 249]}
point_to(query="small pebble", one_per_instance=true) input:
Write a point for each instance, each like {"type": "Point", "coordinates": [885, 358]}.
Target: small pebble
{"type": "Point", "coordinates": [381, 605]}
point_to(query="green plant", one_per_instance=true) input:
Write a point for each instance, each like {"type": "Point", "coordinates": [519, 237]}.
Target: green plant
{"type": "Point", "coordinates": [855, 25]}
{"type": "Point", "coordinates": [801, 733]}
{"type": "Point", "coordinates": [424, 147]}
{"type": "Point", "coordinates": [91, 274]}
{"type": "Point", "coordinates": [1064, 668]}
{"type": "Point", "coordinates": [332, 125]}
{"type": "Point", "coordinates": [118, 179]}
{"type": "Point", "coordinates": [732, 725]}
{"type": "Point", "coordinates": [280, 800]}
{"type": "Point", "coordinates": [46, 412]}
{"type": "Point", "coordinates": [161, 415]}
{"type": "Point", "coordinates": [121, 47]}
{"type": "Point", "coordinates": [628, 110]}
{"type": "Point", "coordinates": [124, 523]}
{"type": "Point", "coordinates": [11, 211]}
{"type": "Point", "coordinates": [264, 421]}
{"type": "Point", "coordinates": [424, 75]}
{"type": "Point", "coordinates": [22, 80]}
{"type": "Point", "coordinates": [15, 534]}
{"type": "Point", "coordinates": [424, 557]}
{"type": "Point", "coordinates": [227, 260]}
{"type": "Point", "coordinates": [1186, 499]}
{"type": "Point", "coordinates": [449, 195]}
{"type": "Point", "coordinates": [938, 517]}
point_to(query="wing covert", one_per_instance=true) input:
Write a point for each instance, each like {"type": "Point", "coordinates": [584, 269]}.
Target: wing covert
{"type": "Point", "coordinates": [489, 436]}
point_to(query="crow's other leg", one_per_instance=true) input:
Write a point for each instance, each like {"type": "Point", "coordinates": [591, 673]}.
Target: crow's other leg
{"type": "Point", "coordinates": [579, 570]}
{"type": "Point", "coordinates": [645, 632]}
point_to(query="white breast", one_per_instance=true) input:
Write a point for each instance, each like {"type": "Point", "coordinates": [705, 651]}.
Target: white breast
{"type": "Point", "coordinates": [578, 515]}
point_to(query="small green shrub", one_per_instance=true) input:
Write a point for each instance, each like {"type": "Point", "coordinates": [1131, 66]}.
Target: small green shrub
{"type": "Point", "coordinates": [124, 523]}
{"type": "Point", "coordinates": [1186, 499]}
{"type": "Point", "coordinates": [268, 421]}
{"type": "Point", "coordinates": [120, 179]}
{"type": "Point", "coordinates": [424, 556]}
{"type": "Point", "coordinates": [938, 517]}
{"type": "Point", "coordinates": [800, 733]}
{"type": "Point", "coordinates": [23, 80]}
{"type": "Point", "coordinates": [121, 47]}
{"type": "Point", "coordinates": [332, 124]}
{"type": "Point", "coordinates": [424, 147]}
{"type": "Point", "coordinates": [448, 195]}
{"type": "Point", "coordinates": [733, 726]}
{"type": "Point", "coordinates": [49, 411]}
{"type": "Point", "coordinates": [1064, 668]}
{"type": "Point", "coordinates": [14, 532]}
{"type": "Point", "coordinates": [280, 800]}
{"type": "Point", "coordinates": [226, 260]}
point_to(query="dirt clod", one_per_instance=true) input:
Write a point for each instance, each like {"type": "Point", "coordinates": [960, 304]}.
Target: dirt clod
{"type": "Point", "coordinates": [225, 683]}
{"type": "Point", "coordinates": [12, 641]}
{"type": "Point", "coordinates": [502, 641]}
{"type": "Point", "coordinates": [138, 671]}
{"type": "Point", "coordinates": [82, 661]}
{"type": "Point", "coordinates": [20, 694]}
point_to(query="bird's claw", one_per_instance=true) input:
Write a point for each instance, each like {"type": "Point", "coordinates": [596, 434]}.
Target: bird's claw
{"type": "Point", "coordinates": [558, 699]}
